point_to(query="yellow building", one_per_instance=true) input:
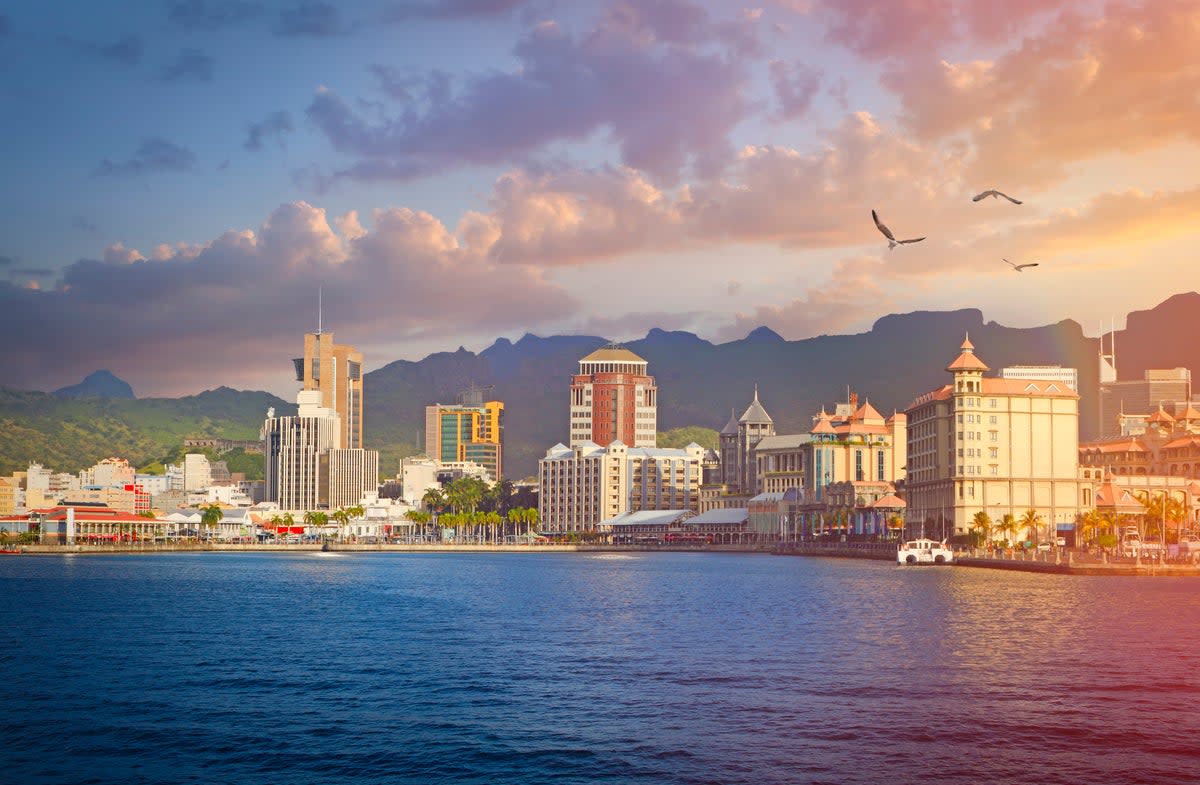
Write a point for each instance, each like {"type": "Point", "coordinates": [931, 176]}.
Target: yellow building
{"type": "Point", "coordinates": [336, 371]}
{"type": "Point", "coordinates": [8, 495]}
{"type": "Point", "coordinates": [467, 432]}
{"type": "Point", "coordinates": [1002, 446]}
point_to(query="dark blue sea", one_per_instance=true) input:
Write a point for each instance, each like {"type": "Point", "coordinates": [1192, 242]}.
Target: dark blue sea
{"type": "Point", "coordinates": [586, 668]}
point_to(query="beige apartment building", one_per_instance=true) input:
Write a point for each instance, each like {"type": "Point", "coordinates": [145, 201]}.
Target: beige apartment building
{"type": "Point", "coordinates": [998, 445]}
{"type": "Point", "coordinates": [581, 486]}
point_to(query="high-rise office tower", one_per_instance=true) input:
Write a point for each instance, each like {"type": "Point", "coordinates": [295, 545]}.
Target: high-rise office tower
{"type": "Point", "coordinates": [335, 370]}
{"type": "Point", "coordinates": [613, 399]}
{"type": "Point", "coordinates": [468, 431]}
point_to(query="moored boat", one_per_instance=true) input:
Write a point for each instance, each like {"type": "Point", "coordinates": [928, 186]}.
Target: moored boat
{"type": "Point", "coordinates": [922, 551]}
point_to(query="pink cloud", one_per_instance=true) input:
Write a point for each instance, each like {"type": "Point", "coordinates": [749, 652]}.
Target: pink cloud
{"type": "Point", "coordinates": [247, 297]}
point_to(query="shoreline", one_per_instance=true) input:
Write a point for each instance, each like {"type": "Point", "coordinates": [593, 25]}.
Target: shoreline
{"type": "Point", "coordinates": [869, 551]}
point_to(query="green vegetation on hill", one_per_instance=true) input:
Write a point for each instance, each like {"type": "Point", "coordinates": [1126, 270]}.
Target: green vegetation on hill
{"type": "Point", "coordinates": [66, 434]}
{"type": "Point", "coordinates": [682, 437]}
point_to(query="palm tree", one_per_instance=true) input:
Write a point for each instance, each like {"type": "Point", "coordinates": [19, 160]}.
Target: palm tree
{"type": "Point", "coordinates": [316, 519]}
{"type": "Point", "coordinates": [1007, 526]}
{"type": "Point", "coordinates": [1031, 522]}
{"type": "Point", "coordinates": [341, 518]}
{"type": "Point", "coordinates": [1089, 525]}
{"type": "Point", "coordinates": [418, 517]}
{"type": "Point", "coordinates": [982, 524]}
{"type": "Point", "coordinates": [211, 516]}
{"type": "Point", "coordinates": [433, 500]}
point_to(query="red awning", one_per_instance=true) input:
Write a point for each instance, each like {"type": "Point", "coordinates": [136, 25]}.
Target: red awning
{"type": "Point", "coordinates": [296, 530]}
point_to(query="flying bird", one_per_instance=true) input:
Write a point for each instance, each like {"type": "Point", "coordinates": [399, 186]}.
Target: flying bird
{"type": "Point", "coordinates": [994, 193]}
{"type": "Point", "coordinates": [892, 241]}
{"type": "Point", "coordinates": [1020, 267]}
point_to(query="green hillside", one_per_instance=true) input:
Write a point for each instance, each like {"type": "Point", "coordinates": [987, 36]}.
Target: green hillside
{"type": "Point", "coordinates": [67, 434]}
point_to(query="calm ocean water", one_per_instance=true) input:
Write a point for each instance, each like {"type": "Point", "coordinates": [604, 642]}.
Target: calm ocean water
{"type": "Point", "coordinates": [582, 668]}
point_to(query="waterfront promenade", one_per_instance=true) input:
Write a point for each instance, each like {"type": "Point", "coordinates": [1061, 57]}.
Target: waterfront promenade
{"type": "Point", "coordinates": [1064, 562]}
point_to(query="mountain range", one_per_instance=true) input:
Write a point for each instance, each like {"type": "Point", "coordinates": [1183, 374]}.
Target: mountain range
{"type": "Point", "coordinates": [902, 356]}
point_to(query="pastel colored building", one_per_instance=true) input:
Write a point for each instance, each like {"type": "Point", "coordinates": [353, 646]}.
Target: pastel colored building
{"type": "Point", "coordinates": [1001, 446]}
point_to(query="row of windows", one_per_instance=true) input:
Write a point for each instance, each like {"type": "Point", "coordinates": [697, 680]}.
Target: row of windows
{"type": "Point", "coordinates": [971, 419]}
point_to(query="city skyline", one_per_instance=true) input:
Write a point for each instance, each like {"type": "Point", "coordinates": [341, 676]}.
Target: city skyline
{"type": "Point", "coordinates": [193, 172]}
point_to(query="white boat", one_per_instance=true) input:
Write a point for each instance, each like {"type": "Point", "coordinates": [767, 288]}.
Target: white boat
{"type": "Point", "coordinates": [924, 552]}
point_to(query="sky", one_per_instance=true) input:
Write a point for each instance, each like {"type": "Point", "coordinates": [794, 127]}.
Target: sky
{"type": "Point", "coordinates": [183, 180]}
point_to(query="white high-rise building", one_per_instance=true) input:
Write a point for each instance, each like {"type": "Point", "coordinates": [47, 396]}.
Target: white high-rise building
{"type": "Point", "coordinates": [197, 471]}
{"type": "Point", "coordinates": [305, 469]}
{"type": "Point", "coordinates": [293, 447]}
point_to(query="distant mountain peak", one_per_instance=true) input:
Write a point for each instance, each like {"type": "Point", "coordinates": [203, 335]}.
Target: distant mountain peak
{"type": "Point", "coordinates": [97, 384]}
{"type": "Point", "coordinates": [764, 334]}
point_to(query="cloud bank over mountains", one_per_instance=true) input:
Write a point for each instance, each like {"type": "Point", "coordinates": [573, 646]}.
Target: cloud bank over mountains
{"type": "Point", "coordinates": [592, 166]}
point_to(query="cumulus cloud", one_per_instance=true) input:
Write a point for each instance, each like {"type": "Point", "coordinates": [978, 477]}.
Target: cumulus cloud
{"type": "Point", "coordinates": [211, 14]}
{"type": "Point", "coordinates": [659, 78]}
{"type": "Point", "coordinates": [189, 64]}
{"type": "Point", "coordinates": [403, 278]}
{"type": "Point", "coordinates": [274, 127]}
{"type": "Point", "coordinates": [153, 155]}
{"type": "Point", "coordinates": [1075, 91]}
{"type": "Point", "coordinates": [309, 18]}
{"type": "Point", "coordinates": [770, 195]}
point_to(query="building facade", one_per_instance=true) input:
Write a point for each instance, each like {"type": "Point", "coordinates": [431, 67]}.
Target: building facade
{"type": "Point", "coordinates": [1043, 373]}
{"type": "Point", "coordinates": [466, 432]}
{"type": "Point", "coordinates": [346, 476]}
{"type": "Point", "coordinates": [1002, 446]}
{"type": "Point", "coordinates": [335, 371]}
{"type": "Point", "coordinates": [581, 486]}
{"type": "Point", "coordinates": [293, 447]}
{"type": "Point", "coordinates": [613, 398]}
{"type": "Point", "coordinates": [1157, 387]}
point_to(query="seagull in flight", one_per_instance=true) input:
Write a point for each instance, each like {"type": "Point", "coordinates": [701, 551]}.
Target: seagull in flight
{"type": "Point", "coordinates": [892, 241]}
{"type": "Point", "coordinates": [992, 192]}
{"type": "Point", "coordinates": [1020, 267]}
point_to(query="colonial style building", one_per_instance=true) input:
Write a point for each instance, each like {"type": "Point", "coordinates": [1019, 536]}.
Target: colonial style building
{"type": "Point", "coordinates": [613, 398]}
{"type": "Point", "coordinates": [1002, 446]}
{"type": "Point", "coordinates": [738, 472]}
{"type": "Point", "coordinates": [581, 486]}
{"type": "Point", "coordinates": [1167, 444]}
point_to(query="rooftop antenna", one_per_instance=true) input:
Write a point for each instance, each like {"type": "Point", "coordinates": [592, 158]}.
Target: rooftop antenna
{"type": "Point", "coordinates": [320, 303]}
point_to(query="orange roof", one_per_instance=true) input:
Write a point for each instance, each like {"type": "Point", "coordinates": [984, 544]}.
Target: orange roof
{"type": "Point", "coordinates": [1190, 413]}
{"type": "Point", "coordinates": [1161, 416]}
{"type": "Point", "coordinates": [1183, 441]}
{"type": "Point", "coordinates": [866, 411]}
{"type": "Point", "coordinates": [967, 361]}
{"type": "Point", "coordinates": [859, 427]}
{"type": "Point", "coordinates": [822, 425]}
{"type": "Point", "coordinates": [1126, 444]}
{"type": "Point", "coordinates": [891, 501]}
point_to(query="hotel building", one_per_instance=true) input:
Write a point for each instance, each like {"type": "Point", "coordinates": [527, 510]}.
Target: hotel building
{"type": "Point", "coordinates": [583, 485]}
{"type": "Point", "coordinates": [989, 444]}
{"type": "Point", "coordinates": [613, 399]}
{"type": "Point", "coordinates": [335, 371]}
